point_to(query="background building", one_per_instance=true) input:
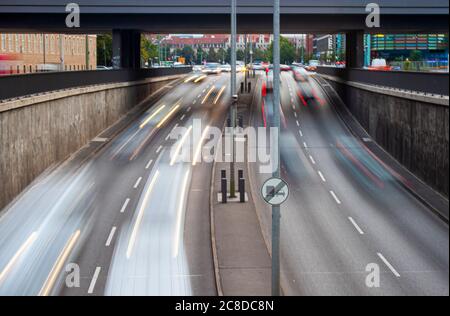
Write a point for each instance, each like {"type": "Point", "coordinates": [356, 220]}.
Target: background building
{"type": "Point", "coordinates": [411, 46]}
{"type": "Point", "coordinates": [48, 52]}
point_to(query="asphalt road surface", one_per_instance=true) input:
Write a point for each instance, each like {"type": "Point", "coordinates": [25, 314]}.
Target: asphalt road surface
{"type": "Point", "coordinates": [346, 212]}
{"type": "Point", "coordinates": [133, 220]}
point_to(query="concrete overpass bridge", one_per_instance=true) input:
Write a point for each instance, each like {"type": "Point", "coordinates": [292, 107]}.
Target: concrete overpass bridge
{"type": "Point", "coordinates": [212, 16]}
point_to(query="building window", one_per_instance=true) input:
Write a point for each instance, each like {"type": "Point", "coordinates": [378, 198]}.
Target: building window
{"type": "Point", "coordinates": [16, 39]}
{"type": "Point", "coordinates": [10, 42]}
{"type": "Point", "coordinates": [30, 44]}
{"type": "Point", "coordinates": [3, 42]}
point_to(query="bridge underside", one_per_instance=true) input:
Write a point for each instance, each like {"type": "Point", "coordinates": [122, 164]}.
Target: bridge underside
{"type": "Point", "coordinates": [220, 23]}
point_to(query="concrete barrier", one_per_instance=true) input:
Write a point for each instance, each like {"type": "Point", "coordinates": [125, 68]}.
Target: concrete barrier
{"type": "Point", "coordinates": [411, 126]}
{"type": "Point", "coordinates": [39, 131]}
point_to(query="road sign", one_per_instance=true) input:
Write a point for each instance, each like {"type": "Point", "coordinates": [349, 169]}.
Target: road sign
{"type": "Point", "coordinates": [275, 191]}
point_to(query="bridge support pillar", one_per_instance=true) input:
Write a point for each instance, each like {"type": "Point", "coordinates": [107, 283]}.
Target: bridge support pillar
{"type": "Point", "coordinates": [126, 49]}
{"type": "Point", "coordinates": [355, 49]}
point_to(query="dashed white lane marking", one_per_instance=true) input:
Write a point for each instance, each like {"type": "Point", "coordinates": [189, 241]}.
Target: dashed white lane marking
{"type": "Point", "coordinates": [335, 197]}
{"type": "Point", "coordinates": [194, 102]}
{"type": "Point", "coordinates": [305, 145]}
{"type": "Point", "coordinates": [159, 149]}
{"type": "Point", "coordinates": [136, 185]}
{"type": "Point", "coordinates": [295, 114]}
{"type": "Point", "coordinates": [389, 265]}
{"type": "Point", "coordinates": [298, 123]}
{"type": "Point", "coordinates": [124, 207]}
{"type": "Point", "coordinates": [149, 163]}
{"type": "Point", "coordinates": [188, 109]}
{"type": "Point", "coordinates": [176, 125]}
{"type": "Point", "coordinates": [360, 231]}
{"type": "Point", "coordinates": [312, 159]}
{"type": "Point", "coordinates": [182, 117]}
{"type": "Point", "coordinates": [167, 137]}
{"type": "Point", "coordinates": [322, 176]}
{"type": "Point", "coordinates": [94, 280]}
{"type": "Point", "coordinates": [111, 236]}
{"type": "Point", "coordinates": [301, 133]}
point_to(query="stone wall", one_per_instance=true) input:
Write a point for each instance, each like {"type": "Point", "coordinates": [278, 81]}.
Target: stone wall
{"type": "Point", "coordinates": [39, 131]}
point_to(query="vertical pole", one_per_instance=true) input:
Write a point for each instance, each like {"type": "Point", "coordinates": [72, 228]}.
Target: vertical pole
{"type": "Point", "coordinates": [276, 215]}
{"type": "Point", "coordinates": [233, 95]}
{"type": "Point", "coordinates": [61, 51]}
{"type": "Point", "coordinates": [44, 46]}
{"type": "Point", "coordinates": [87, 52]}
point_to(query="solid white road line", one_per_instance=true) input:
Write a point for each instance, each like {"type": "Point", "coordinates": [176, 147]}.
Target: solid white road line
{"type": "Point", "coordinates": [335, 197]}
{"type": "Point", "coordinates": [57, 267]}
{"type": "Point", "coordinates": [111, 236]}
{"type": "Point", "coordinates": [18, 254]}
{"type": "Point", "coordinates": [124, 207]}
{"type": "Point", "coordinates": [312, 159]}
{"type": "Point", "coordinates": [94, 280]}
{"type": "Point", "coordinates": [138, 181]}
{"type": "Point", "coordinates": [321, 176]}
{"type": "Point", "coordinates": [140, 215]}
{"type": "Point", "coordinates": [180, 217]}
{"type": "Point", "coordinates": [149, 163]}
{"type": "Point", "coordinates": [387, 263]}
{"type": "Point", "coordinates": [360, 231]}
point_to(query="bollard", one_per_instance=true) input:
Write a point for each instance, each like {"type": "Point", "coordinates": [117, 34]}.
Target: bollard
{"type": "Point", "coordinates": [223, 174]}
{"type": "Point", "coordinates": [249, 87]}
{"type": "Point", "coordinates": [242, 190]}
{"type": "Point", "coordinates": [241, 174]}
{"type": "Point", "coordinates": [224, 190]}
{"type": "Point", "coordinates": [242, 88]}
{"type": "Point", "coordinates": [241, 122]}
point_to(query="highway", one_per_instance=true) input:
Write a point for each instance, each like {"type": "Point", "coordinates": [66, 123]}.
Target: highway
{"type": "Point", "coordinates": [346, 209]}
{"type": "Point", "coordinates": [134, 220]}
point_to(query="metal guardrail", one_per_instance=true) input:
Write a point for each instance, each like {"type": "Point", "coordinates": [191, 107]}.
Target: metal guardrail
{"type": "Point", "coordinates": [17, 86]}
{"type": "Point", "coordinates": [425, 82]}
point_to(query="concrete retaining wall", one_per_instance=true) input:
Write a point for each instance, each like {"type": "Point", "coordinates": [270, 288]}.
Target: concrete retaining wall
{"type": "Point", "coordinates": [414, 129]}
{"type": "Point", "coordinates": [37, 132]}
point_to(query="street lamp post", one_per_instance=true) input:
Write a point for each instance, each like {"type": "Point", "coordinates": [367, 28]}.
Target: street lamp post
{"type": "Point", "coordinates": [276, 214]}
{"type": "Point", "coordinates": [233, 95]}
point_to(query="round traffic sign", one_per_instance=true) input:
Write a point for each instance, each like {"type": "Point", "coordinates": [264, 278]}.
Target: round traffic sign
{"type": "Point", "coordinates": [275, 191]}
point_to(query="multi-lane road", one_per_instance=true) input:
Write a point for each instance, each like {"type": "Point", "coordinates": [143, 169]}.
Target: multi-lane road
{"type": "Point", "coordinates": [347, 211]}
{"type": "Point", "coordinates": [134, 221]}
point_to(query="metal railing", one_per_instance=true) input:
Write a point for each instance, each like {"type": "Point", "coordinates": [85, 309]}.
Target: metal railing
{"type": "Point", "coordinates": [17, 86]}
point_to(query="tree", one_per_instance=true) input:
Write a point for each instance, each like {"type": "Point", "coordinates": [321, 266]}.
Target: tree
{"type": "Point", "coordinates": [259, 54]}
{"type": "Point", "coordinates": [104, 50]}
{"type": "Point", "coordinates": [415, 55]}
{"type": "Point", "coordinates": [149, 50]}
{"type": "Point", "coordinates": [287, 51]}
{"type": "Point", "coordinates": [222, 55]}
{"type": "Point", "coordinates": [212, 55]}
{"type": "Point", "coordinates": [201, 56]}
{"type": "Point", "coordinates": [188, 53]}
{"type": "Point", "coordinates": [240, 54]}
